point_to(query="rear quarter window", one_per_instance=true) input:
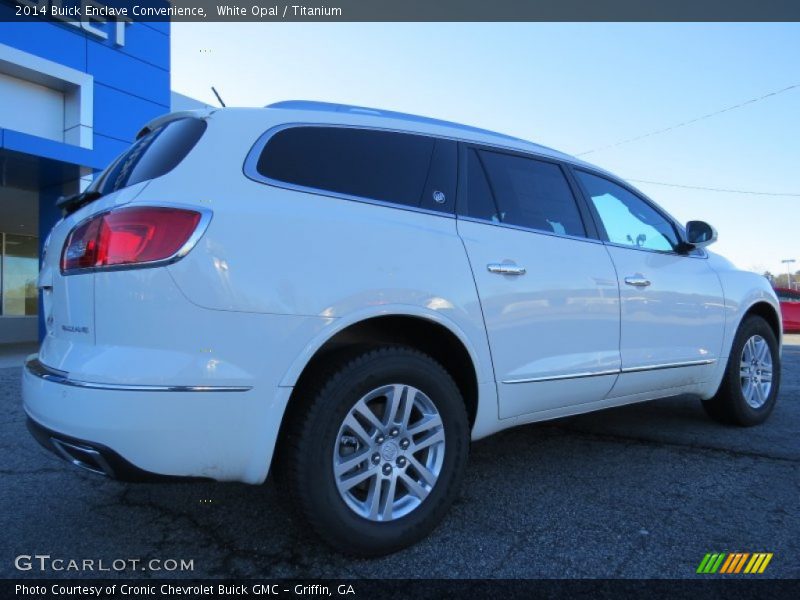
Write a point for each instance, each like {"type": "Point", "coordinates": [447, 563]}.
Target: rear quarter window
{"type": "Point", "coordinates": [401, 168]}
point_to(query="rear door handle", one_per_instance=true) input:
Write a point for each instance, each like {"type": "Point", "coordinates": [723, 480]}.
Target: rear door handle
{"type": "Point", "coordinates": [637, 281]}
{"type": "Point", "coordinates": [505, 269]}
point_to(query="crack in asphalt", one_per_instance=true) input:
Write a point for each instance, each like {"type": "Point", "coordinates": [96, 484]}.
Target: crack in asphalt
{"type": "Point", "coordinates": [230, 552]}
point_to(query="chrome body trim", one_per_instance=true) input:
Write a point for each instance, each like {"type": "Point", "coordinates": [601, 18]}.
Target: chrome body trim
{"type": "Point", "coordinates": [576, 238]}
{"type": "Point", "coordinates": [37, 369]}
{"type": "Point", "coordinates": [676, 365]}
{"type": "Point", "coordinates": [567, 376]}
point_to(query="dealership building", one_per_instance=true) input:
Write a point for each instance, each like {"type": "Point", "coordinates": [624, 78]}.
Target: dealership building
{"type": "Point", "coordinates": [72, 97]}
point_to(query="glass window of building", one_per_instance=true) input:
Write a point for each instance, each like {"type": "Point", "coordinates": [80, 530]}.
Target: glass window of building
{"type": "Point", "coordinates": [20, 268]}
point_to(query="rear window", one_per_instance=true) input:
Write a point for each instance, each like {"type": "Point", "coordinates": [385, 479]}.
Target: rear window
{"type": "Point", "coordinates": [409, 169]}
{"type": "Point", "coordinates": [152, 155]}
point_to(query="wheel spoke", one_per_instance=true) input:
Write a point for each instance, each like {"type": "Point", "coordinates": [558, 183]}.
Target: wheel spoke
{"type": "Point", "coordinates": [353, 425]}
{"type": "Point", "coordinates": [428, 477]}
{"type": "Point", "coordinates": [364, 411]}
{"type": "Point", "coordinates": [393, 403]}
{"type": "Point", "coordinates": [751, 348]}
{"type": "Point", "coordinates": [413, 487]}
{"type": "Point", "coordinates": [388, 500]}
{"type": "Point", "coordinates": [409, 404]}
{"type": "Point", "coordinates": [433, 438]}
{"type": "Point", "coordinates": [762, 351]}
{"type": "Point", "coordinates": [373, 501]}
{"type": "Point", "coordinates": [350, 462]}
{"type": "Point", "coordinates": [759, 393]}
{"type": "Point", "coordinates": [349, 482]}
{"type": "Point", "coordinates": [430, 422]}
{"type": "Point", "coordinates": [744, 369]}
{"type": "Point", "coordinates": [747, 390]}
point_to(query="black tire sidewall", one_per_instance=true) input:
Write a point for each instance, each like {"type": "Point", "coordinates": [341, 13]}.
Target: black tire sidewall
{"type": "Point", "coordinates": [326, 508]}
{"type": "Point", "coordinates": [742, 412]}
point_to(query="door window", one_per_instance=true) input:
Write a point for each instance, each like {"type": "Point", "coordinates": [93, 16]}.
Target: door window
{"type": "Point", "coordinates": [505, 188]}
{"type": "Point", "coordinates": [628, 220]}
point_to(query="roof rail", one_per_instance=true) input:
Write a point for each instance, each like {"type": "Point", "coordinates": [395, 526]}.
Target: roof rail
{"type": "Point", "coordinates": [363, 110]}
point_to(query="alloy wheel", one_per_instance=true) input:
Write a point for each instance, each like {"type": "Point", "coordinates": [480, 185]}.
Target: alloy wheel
{"type": "Point", "coordinates": [389, 452]}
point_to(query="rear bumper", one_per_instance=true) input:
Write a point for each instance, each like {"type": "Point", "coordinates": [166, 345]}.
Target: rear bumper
{"type": "Point", "coordinates": [139, 432]}
{"type": "Point", "coordinates": [94, 457]}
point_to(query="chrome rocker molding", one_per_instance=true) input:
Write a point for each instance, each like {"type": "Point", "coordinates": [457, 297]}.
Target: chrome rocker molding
{"type": "Point", "coordinates": [37, 369]}
{"type": "Point", "coordinates": [676, 365]}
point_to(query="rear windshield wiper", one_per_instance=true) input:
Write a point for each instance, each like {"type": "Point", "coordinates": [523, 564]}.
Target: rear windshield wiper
{"type": "Point", "coordinates": [69, 204]}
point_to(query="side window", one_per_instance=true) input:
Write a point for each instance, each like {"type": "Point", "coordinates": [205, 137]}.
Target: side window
{"type": "Point", "coordinates": [511, 189]}
{"type": "Point", "coordinates": [380, 165]}
{"type": "Point", "coordinates": [628, 220]}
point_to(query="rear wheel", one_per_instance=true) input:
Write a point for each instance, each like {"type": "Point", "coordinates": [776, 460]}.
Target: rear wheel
{"type": "Point", "coordinates": [749, 388]}
{"type": "Point", "coordinates": [378, 456]}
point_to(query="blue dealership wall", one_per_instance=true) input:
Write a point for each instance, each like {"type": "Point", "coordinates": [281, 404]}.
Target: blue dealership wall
{"type": "Point", "coordinates": [131, 86]}
{"type": "Point", "coordinates": [131, 82]}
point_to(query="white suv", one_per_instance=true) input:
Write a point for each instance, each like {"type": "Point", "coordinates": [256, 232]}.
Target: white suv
{"type": "Point", "coordinates": [352, 295]}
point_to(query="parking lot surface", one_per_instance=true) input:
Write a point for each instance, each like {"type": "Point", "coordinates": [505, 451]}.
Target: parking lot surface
{"type": "Point", "coordinates": [641, 491]}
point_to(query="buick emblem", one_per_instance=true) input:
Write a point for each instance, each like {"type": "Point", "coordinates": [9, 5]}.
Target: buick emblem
{"type": "Point", "coordinates": [389, 451]}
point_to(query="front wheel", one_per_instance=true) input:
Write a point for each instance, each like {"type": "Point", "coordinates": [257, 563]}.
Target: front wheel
{"type": "Point", "coordinates": [377, 458]}
{"type": "Point", "coordinates": [749, 388]}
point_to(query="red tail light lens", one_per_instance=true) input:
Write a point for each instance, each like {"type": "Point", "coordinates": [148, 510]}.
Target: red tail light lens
{"type": "Point", "coordinates": [129, 236]}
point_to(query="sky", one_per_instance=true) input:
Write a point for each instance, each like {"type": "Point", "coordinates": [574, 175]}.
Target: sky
{"type": "Point", "coordinates": [576, 87]}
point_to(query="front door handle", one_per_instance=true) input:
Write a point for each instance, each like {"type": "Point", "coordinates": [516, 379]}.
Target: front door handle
{"type": "Point", "coordinates": [637, 281]}
{"type": "Point", "coordinates": [505, 269]}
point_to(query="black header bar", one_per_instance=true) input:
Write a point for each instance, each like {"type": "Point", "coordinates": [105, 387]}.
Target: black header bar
{"type": "Point", "coordinates": [403, 10]}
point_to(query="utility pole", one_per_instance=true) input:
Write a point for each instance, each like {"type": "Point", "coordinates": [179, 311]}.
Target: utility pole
{"type": "Point", "coordinates": [788, 262]}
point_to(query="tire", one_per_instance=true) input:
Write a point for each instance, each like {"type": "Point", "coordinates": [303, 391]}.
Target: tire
{"type": "Point", "coordinates": [730, 405]}
{"type": "Point", "coordinates": [345, 517]}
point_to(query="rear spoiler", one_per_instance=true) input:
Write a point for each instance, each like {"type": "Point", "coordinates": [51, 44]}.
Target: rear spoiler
{"type": "Point", "coordinates": [69, 204]}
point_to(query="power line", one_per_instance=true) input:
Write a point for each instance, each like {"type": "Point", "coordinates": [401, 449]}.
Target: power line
{"type": "Point", "coordinates": [691, 121]}
{"type": "Point", "coordinates": [711, 189]}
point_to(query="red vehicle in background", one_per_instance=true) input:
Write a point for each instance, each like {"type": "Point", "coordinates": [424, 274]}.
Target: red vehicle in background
{"type": "Point", "coordinates": [790, 309]}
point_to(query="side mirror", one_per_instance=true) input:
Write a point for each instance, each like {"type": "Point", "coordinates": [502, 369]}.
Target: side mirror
{"type": "Point", "coordinates": [700, 234]}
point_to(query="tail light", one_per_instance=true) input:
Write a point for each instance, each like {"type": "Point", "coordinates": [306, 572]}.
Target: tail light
{"type": "Point", "coordinates": [131, 237]}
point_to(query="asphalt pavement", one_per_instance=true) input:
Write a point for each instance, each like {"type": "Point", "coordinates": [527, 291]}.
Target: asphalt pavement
{"type": "Point", "coordinates": [640, 491]}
